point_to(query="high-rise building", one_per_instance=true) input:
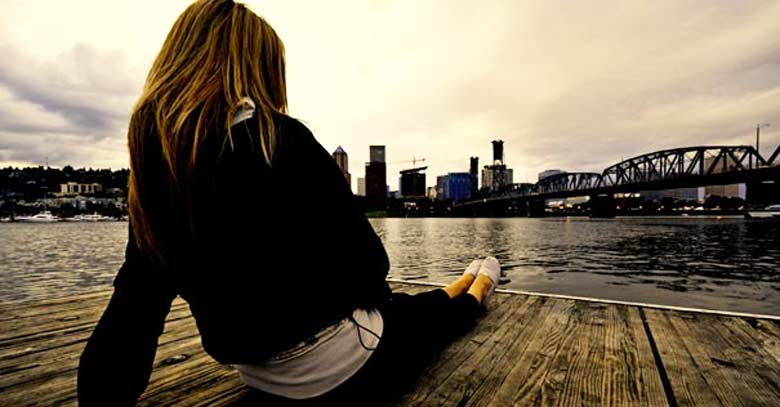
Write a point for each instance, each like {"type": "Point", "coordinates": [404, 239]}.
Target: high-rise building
{"type": "Point", "coordinates": [474, 172]}
{"type": "Point", "coordinates": [412, 182]}
{"type": "Point", "coordinates": [376, 175]}
{"type": "Point", "coordinates": [343, 162]}
{"type": "Point", "coordinates": [458, 186]}
{"type": "Point", "coordinates": [497, 176]}
{"type": "Point", "coordinates": [441, 180]}
{"type": "Point", "coordinates": [376, 154]}
{"type": "Point", "coordinates": [498, 152]}
{"type": "Point", "coordinates": [361, 186]}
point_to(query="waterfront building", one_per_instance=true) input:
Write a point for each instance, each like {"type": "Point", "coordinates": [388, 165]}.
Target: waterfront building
{"type": "Point", "coordinates": [547, 173]}
{"type": "Point", "coordinates": [496, 177]}
{"type": "Point", "coordinates": [75, 188]}
{"type": "Point", "coordinates": [763, 193]}
{"type": "Point", "coordinates": [412, 182]}
{"type": "Point", "coordinates": [431, 193]}
{"type": "Point", "coordinates": [680, 194]}
{"type": "Point", "coordinates": [342, 160]}
{"type": "Point", "coordinates": [441, 180]}
{"type": "Point", "coordinates": [376, 175]}
{"type": "Point", "coordinates": [725, 191]}
{"type": "Point", "coordinates": [361, 186]}
{"type": "Point", "coordinates": [458, 186]}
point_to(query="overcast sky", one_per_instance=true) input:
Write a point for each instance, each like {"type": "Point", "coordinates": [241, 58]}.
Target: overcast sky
{"type": "Point", "coordinates": [575, 85]}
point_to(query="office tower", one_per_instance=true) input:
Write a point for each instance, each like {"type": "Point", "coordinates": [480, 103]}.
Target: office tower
{"type": "Point", "coordinates": [474, 172]}
{"type": "Point", "coordinates": [458, 186]}
{"type": "Point", "coordinates": [376, 154]}
{"type": "Point", "coordinates": [361, 186]}
{"type": "Point", "coordinates": [497, 176]}
{"type": "Point", "coordinates": [412, 182]}
{"type": "Point", "coordinates": [343, 162]}
{"type": "Point", "coordinates": [498, 152]}
{"type": "Point", "coordinates": [376, 175]}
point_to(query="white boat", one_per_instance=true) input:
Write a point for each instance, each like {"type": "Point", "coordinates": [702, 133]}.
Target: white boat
{"type": "Point", "coordinates": [40, 217]}
{"type": "Point", "coordinates": [771, 211]}
{"type": "Point", "coordinates": [95, 217]}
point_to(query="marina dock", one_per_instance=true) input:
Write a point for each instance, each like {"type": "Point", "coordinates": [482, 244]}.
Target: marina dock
{"type": "Point", "coordinates": [527, 350]}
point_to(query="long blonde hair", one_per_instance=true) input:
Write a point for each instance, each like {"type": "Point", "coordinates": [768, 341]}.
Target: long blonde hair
{"type": "Point", "coordinates": [217, 53]}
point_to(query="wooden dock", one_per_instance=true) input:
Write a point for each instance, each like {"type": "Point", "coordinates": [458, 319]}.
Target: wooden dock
{"type": "Point", "coordinates": [527, 350]}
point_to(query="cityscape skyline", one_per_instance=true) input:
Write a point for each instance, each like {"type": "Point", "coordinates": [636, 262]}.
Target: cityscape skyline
{"type": "Point", "coordinates": [604, 84]}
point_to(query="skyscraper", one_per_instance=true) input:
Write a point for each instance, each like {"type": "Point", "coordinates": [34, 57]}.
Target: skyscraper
{"type": "Point", "coordinates": [361, 186]}
{"type": "Point", "coordinates": [496, 176]}
{"type": "Point", "coordinates": [412, 182]}
{"type": "Point", "coordinates": [458, 186]}
{"type": "Point", "coordinates": [474, 172]}
{"type": "Point", "coordinates": [376, 154]}
{"type": "Point", "coordinates": [376, 176]}
{"type": "Point", "coordinates": [343, 162]}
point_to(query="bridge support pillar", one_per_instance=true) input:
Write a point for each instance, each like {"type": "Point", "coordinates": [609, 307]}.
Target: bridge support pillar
{"type": "Point", "coordinates": [535, 208]}
{"type": "Point", "coordinates": [603, 206]}
{"type": "Point", "coordinates": [759, 194]}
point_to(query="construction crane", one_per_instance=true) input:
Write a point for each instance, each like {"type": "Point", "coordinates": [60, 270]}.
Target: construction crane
{"type": "Point", "coordinates": [414, 162]}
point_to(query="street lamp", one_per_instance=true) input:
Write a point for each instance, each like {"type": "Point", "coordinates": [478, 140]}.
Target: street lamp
{"type": "Point", "coordinates": [758, 134]}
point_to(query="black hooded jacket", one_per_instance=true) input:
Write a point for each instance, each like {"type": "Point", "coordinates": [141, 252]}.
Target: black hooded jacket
{"type": "Point", "coordinates": [281, 252]}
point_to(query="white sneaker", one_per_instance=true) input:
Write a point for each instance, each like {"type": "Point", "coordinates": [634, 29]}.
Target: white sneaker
{"type": "Point", "coordinates": [492, 269]}
{"type": "Point", "coordinates": [473, 268]}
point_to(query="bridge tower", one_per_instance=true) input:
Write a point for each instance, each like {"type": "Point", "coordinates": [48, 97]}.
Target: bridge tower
{"type": "Point", "coordinates": [535, 208]}
{"type": "Point", "coordinates": [603, 206]}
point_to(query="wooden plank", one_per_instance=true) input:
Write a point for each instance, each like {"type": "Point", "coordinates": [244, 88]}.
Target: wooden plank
{"type": "Point", "coordinates": [485, 362]}
{"type": "Point", "coordinates": [526, 380]}
{"type": "Point", "coordinates": [451, 359]}
{"type": "Point", "coordinates": [576, 371]}
{"type": "Point", "coordinates": [527, 350]}
{"type": "Point", "coordinates": [530, 321]}
{"type": "Point", "coordinates": [729, 359]}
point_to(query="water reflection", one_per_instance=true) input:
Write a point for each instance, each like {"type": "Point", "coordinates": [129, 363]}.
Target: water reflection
{"type": "Point", "coordinates": [720, 264]}
{"type": "Point", "coordinates": [729, 264]}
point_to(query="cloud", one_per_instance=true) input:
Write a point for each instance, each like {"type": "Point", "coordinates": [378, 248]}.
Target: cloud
{"type": "Point", "coordinates": [64, 107]}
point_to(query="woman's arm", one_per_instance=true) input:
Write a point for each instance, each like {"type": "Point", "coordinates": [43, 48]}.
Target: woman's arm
{"type": "Point", "coordinates": [115, 366]}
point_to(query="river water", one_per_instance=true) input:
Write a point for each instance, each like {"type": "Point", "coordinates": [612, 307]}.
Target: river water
{"type": "Point", "coordinates": [724, 264]}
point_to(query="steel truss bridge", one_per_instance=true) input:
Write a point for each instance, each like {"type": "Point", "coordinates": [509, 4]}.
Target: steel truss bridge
{"type": "Point", "coordinates": [686, 167]}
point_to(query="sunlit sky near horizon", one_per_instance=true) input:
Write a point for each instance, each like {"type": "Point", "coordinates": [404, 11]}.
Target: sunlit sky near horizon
{"type": "Point", "coordinates": [569, 85]}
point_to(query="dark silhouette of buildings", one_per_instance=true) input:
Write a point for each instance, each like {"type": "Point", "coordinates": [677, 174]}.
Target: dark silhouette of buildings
{"type": "Point", "coordinates": [496, 176]}
{"type": "Point", "coordinates": [343, 162]}
{"type": "Point", "coordinates": [474, 171]}
{"type": "Point", "coordinates": [458, 186]}
{"type": "Point", "coordinates": [413, 182]}
{"type": "Point", "coordinates": [376, 176]}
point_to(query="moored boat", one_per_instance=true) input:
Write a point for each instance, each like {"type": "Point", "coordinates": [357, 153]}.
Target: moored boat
{"type": "Point", "coordinates": [40, 217]}
{"type": "Point", "coordinates": [771, 211]}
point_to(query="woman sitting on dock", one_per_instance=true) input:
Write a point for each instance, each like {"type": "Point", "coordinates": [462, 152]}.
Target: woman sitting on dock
{"type": "Point", "coordinates": [235, 207]}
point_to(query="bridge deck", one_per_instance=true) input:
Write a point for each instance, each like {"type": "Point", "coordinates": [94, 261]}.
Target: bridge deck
{"type": "Point", "coordinates": [528, 350]}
